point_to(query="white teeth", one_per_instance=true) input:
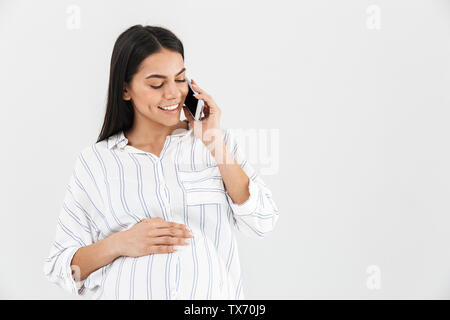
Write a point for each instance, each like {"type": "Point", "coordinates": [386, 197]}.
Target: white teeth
{"type": "Point", "coordinates": [170, 107]}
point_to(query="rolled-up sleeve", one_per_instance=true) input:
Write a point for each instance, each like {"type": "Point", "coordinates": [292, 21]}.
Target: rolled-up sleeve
{"type": "Point", "coordinates": [75, 228]}
{"type": "Point", "coordinates": [258, 215]}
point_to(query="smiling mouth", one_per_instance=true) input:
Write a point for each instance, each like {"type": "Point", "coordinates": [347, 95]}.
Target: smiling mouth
{"type": "Point", "coordinates": [169, 108]}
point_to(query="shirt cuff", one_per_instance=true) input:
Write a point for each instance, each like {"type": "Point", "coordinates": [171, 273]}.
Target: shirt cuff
{"type": "Point", "coordinates": [76, 286]}
{"type": "Point", "coordinates": [249, 206]}
{"type": "Point", "coordinates": [92, 280]}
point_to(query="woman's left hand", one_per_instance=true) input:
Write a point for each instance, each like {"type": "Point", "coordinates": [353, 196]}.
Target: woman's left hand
{"type": "Point", "coordinates": [208, 128]}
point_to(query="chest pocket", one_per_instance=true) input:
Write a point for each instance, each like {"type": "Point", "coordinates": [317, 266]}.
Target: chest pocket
{"type": "Point", "coordinates": [203, 185]}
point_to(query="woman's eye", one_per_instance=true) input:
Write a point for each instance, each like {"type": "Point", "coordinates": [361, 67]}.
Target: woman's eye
{"type": "Point", "coordinates": [157, 87]}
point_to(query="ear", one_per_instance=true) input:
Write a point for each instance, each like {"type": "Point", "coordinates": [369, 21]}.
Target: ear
{"type": "Point", "coordinates": [125, 95]}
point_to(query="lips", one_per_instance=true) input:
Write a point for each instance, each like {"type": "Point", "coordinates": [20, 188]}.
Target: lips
{"type": "Point", "coordinates": [170, 110]}
{"type": "Point", "coordinates": [169, 107]}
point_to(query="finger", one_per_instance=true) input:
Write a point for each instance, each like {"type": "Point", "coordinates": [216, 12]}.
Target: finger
{"type": "Point", "coordinates": [202, 96]}
{"type": "Point", "coordinates": [162, 249]}
{"type": "Point", "coordinates": [174, 225]}
{"type": "Point", "coordinates": [152, 220]}
{"type": "Point", "coordinates": [172, 232]}
{"type": "Point", "coordinates": [208, 101]}
{"type": "Point", "coordinates": [206, 110]}
{"type": "Point", "coordinates": [196, 87]}
{"type": "Point", "coordinates": [166, 240]}
{"type": "Point", "coordinates": [168, 224]}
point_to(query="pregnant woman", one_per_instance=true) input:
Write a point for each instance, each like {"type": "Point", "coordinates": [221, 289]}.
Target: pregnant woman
{"type": "Point", "coordinates": [151, 208]}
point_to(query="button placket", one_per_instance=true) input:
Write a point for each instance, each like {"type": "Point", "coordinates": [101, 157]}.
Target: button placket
{"type": "Point", "coordinates": [174, 281]}
{"type": "Point", "coordinates": [163, 188]}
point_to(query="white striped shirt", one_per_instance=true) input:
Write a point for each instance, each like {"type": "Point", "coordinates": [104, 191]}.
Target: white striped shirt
{"type": "Point", "coordinates": [113, 186]}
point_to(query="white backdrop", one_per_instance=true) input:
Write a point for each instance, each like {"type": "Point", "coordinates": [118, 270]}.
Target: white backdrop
{"type": "Point", "coordinates": [354, 94]}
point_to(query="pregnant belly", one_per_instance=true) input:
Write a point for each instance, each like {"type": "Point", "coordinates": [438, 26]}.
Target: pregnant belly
{"type": "Point", "coordinates": [147, 277]}
{"type": "Point", "coordinates": [196, 271]}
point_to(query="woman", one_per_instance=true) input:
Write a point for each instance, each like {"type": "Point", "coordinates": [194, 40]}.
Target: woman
{"type": "Point", "coordinates": [153, 184]}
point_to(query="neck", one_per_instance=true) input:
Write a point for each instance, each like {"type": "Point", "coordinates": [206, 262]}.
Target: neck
{"type": "Point", "coordinates": [146, 131]}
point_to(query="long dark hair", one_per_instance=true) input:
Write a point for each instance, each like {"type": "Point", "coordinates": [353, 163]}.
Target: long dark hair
{"type": "Point", "coordinates": [131, 47]}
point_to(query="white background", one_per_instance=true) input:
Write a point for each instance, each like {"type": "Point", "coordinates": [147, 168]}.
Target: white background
{"type": "Point", "coordinates": [363, 117]}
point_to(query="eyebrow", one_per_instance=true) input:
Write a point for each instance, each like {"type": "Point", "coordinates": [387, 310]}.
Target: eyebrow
{"type": "Point", "coordinates": [162, 76]}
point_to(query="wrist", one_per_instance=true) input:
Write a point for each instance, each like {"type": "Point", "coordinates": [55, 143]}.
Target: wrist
{"type": "Point", "coordinates": [115, 244]}
{"type": "Point", "coordinates": [221, 153]}
{"type": "Point", "coordinates": [215, 145]}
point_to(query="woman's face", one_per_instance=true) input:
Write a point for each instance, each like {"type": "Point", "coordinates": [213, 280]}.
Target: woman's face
{"type": "Point", "coordinates": [159, 82]}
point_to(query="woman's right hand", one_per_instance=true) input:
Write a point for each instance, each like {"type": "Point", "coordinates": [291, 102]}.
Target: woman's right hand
{"type": "Point", "coordinates": [152, 235]}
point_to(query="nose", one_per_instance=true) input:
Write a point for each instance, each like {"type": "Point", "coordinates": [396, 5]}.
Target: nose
{"type": "Point", "coordinates": [172, 92]}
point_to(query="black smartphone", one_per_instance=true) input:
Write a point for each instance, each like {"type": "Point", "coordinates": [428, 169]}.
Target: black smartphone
{"type": "Point", "coordinates": [194, 105]}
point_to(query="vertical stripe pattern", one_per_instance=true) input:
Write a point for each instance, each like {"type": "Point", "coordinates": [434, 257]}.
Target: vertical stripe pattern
{"type": "Point", "coordinates": [114, 186]}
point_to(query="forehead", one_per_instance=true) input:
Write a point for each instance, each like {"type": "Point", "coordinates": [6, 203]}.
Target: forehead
{"type": "Point", "coordinates": [165, 62]}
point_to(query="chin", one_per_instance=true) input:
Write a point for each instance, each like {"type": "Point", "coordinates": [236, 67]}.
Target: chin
{"type": "Point", "coordinates": [165, 120]}
{"type": "Point", "coordinates": [169, 122]}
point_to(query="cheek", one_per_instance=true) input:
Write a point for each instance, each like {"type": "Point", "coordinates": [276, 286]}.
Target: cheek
{"type": "Point", "coordinates": [153, 98]}
{"type": "Point", "coordinates": [184, 91]}
{"type": "Point", "coordinates": [147, 98]}
{"type": "Point", "coordinates": [150, 97]}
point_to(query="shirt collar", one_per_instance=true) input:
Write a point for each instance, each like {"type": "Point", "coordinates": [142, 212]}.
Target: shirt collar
{"type": "Point", "coordinates": [121, 141]}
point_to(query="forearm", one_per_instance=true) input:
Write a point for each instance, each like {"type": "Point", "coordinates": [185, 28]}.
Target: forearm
{"type": "Point", "coordinates": [234, 177]}
{"type": "Point", "coordinates": [92, 257]}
